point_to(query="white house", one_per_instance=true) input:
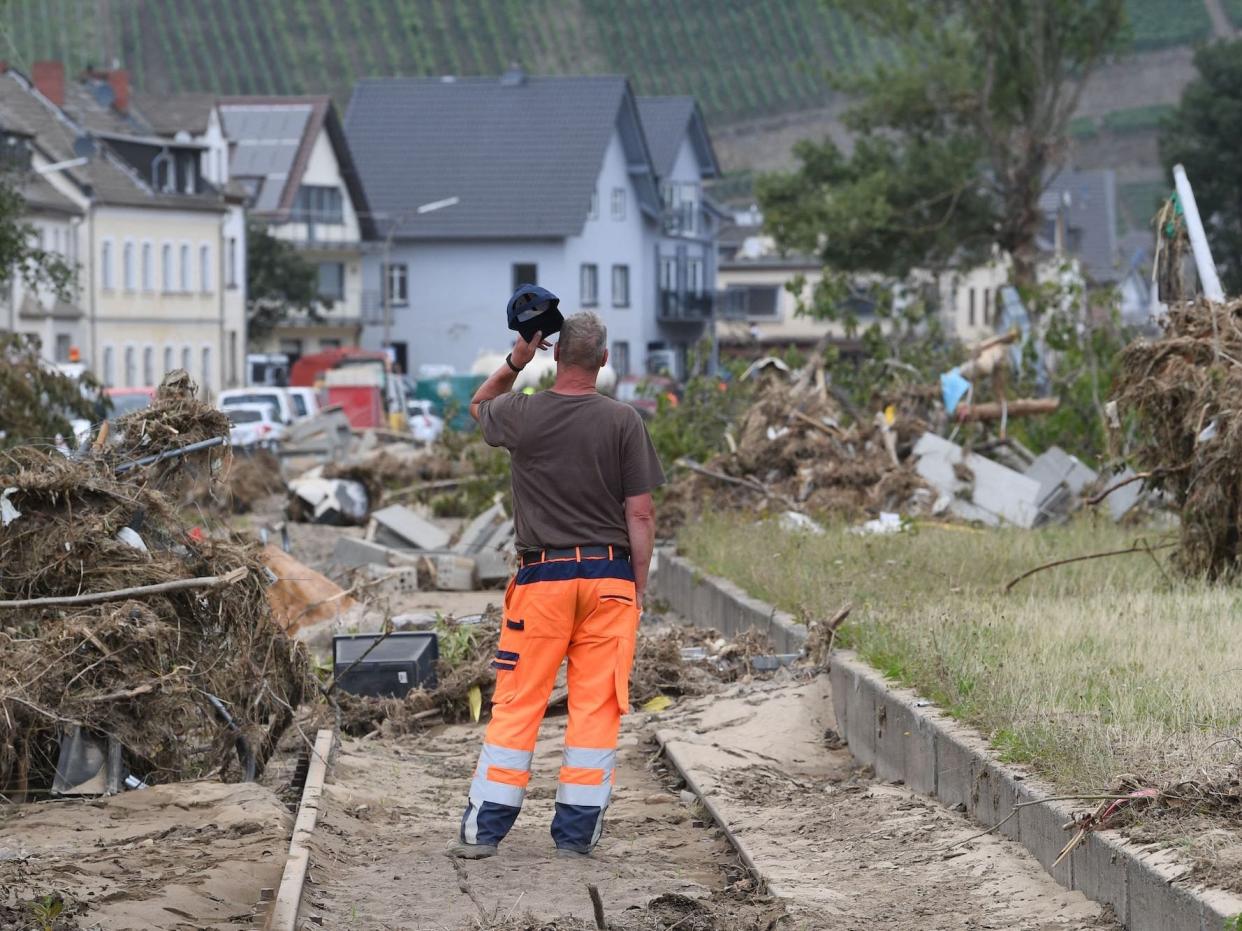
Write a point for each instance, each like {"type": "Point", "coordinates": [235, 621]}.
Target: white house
{"type": "Point", "coordinates": [291, 157]}
{"type": "Point", "coordinates": [149, 243]}
{"type": "Point", "coordinates": [482, 184]}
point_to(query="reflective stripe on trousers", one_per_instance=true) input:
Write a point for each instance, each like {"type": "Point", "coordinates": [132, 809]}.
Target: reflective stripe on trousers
{"type": "Point", "coordinates": [586, 776]}
{"type": "Point", "coordinates": [501, 776]}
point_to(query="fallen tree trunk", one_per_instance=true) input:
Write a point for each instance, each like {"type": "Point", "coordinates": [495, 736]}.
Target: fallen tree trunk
{"type": "Point", "coordinates": [970, 413]}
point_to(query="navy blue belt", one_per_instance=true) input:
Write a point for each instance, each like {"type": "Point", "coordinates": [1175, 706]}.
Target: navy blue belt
{"type": "Point", "coordinates": [575, 552]}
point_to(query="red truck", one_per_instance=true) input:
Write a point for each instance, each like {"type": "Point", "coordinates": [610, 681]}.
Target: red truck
{"type": "Point", "coordinates": [362, 382]}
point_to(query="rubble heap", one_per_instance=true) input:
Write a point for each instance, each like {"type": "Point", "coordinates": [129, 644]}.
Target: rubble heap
{"type": "Point", "coordinates": [792, 450]}
{"type": "Point", "coordinates": [1184, 390]}
{"type": "Point", "coordinates": [177, 671]}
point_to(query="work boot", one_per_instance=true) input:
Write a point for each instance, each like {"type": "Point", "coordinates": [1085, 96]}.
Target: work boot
{"type": "Point", "coordinates": [565, 853]}
{"type": "Point", "coordinates": [471, 851]}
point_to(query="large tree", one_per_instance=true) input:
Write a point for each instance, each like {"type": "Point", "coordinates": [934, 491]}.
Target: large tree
{"type": "Point", "coordinates": [956, 128]}
{"type": "Point", "coordinates": [1203, 135]}
{"type": "Point", "coordinates": [279, 281]}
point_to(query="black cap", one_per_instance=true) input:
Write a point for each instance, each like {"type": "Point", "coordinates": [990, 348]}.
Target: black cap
{"type": "Point", "coordinates": [532, 310]}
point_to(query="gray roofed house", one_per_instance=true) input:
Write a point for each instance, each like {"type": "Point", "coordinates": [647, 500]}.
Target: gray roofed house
{"type": "Point", "coordinates": [667, 122]}
{"type": "Point", "coordinates": [1088, 202]}
{"type": "Point", "coordinates": [558, 181]}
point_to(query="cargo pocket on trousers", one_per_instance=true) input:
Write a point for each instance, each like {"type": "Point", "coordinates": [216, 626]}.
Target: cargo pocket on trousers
{"type": "Point", "coordinates": [625, 660]}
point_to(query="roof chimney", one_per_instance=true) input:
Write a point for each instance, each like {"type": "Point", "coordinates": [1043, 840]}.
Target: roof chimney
{"type": "Point", "coordinates": [514, 77]}
{"type": "Point", "coordinates": [118, 78]}
{"type": "Point", "coordinates": [49, 80]}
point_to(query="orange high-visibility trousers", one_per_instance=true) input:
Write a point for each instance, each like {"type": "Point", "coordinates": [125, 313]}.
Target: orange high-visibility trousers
{"type": "Point", "coordinates": [584, 609]}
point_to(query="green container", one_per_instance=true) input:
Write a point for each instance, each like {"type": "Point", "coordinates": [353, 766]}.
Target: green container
{"type": "Point", "coordinates": [450, 395]}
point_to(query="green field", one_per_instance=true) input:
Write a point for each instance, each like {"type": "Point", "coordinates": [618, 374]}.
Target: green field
{"type": "Point", "coordinates": [741, 59]}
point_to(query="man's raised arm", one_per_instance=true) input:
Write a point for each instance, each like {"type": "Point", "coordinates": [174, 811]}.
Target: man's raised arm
{"type": "Point", "coordinates": [501, 381]}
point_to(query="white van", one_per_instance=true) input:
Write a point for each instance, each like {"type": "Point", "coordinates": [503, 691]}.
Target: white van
{"type": "Point", "coordinates": [305, 402]}
{"type": "Point", "coordinates": [277, 398]}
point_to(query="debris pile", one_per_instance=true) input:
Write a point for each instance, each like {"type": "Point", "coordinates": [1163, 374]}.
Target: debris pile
{"type": "Point", "coordinates": [791, 450]}
{"type": "Point", "coordinates": [120, 620]}
{"type": "Point", "coordinates": [1184, 390]}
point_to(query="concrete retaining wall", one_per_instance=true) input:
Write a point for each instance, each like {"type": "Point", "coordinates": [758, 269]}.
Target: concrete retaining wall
{"type": "Point", "coordinates": [905, 738]}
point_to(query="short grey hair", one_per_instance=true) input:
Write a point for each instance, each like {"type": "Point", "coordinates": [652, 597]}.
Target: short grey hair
{"type": "Point", "coordinates": [584, 338]}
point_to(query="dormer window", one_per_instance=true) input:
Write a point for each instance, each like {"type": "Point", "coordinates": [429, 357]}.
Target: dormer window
{"type": "Point", "coordinates": [164, 173]}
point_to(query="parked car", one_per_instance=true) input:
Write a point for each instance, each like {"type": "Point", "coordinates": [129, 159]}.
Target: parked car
{"type": "Point", "coordinates": [424, 424]}
{"type": "Point", "coordinates": [254, 426]}
{"type": "Point", "coordinates": [305, 402]}
{"type": "Point", "coordinates": [644, 392]}
{"type": "Point", "coordinates": [128, 400]}
{"type": "Point", "coordinates": [276, 397]}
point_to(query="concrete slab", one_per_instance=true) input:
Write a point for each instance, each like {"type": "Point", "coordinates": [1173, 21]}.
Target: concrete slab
{"type": "Point", "coordinates": [405, 524]}
{"type": "Point", "coordinates": [452, 572]}
{"type": "Point", "coordinates": [390, 581]}
{"type": "Point", "coordinates": [476, 534]}
{"type": "Point", "coordinates": [1099, 869]}
{"type": "Point", "coordinates": [996, 493]}
{"type": "Point", "coordinates": [1122, 500]}
{"type": "Point", "coordinates": [1156, 902]}
{"type": "Point", "coordinates": [352, 552]}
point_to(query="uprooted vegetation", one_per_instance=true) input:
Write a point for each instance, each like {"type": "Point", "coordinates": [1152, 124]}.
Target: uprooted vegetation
{"type": "Point", "coordinates": [176, 673]}
{"type": "Point", "coordinates": [1184, 390]}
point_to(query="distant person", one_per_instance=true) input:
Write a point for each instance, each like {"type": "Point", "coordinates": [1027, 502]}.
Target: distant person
{"type": "Point", "coordinates": [583, 470]}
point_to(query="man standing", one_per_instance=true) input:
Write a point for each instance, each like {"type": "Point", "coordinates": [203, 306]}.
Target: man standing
{"type": "Point", "coordinates": [583, 470]}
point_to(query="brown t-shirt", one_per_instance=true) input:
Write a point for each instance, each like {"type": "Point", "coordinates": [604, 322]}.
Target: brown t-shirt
{"type": "Point", "coordinates": [575, 459]}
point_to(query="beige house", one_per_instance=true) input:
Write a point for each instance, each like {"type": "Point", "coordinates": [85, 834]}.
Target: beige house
{"type": "Point", "coordinates": [146, 230]}
{"type": "Point", "coordinates": [290, 156]}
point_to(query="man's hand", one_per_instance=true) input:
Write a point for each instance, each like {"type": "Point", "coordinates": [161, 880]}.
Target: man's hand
{"type": "Point", "coordinates": [524, 351]}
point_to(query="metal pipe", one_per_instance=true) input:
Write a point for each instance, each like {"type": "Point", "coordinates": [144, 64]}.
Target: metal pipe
{"type": "Point", "coordinates": [1198, 238]}
{"type": "Point", "coordinates": [245, 755]}
{"type": "Point", "coordinates": [170, 454]}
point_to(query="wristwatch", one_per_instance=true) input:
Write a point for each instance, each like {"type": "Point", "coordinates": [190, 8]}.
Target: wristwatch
{"type": "Point", "coordinates": [509, 362]}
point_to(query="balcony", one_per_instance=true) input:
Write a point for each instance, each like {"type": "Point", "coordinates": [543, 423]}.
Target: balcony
{"type": "Point", "coordinates": [683, 307]}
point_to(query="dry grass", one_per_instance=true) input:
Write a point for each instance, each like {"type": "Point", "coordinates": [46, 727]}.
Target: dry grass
{"type": "Point", "coordinates": [1085, 672]}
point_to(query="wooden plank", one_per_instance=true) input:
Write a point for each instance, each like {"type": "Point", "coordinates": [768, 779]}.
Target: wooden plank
{"type": "Point", "coordinates": [284, 913]}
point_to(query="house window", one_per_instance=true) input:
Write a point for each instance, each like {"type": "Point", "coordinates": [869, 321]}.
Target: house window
{"type": "Point", "coordinates": [525, 273]}
{"type": "Point", "coordinates": [148, 365]}
{"type": "Point", "coordinates": [987, 306]}
{"type": "Point", "coordinates": [620, 286]}
{"type": "Point", "coordinates": [588, 284]}
{"type": "Point", "coordinates": [753, 301]}
{"type": "Point", "coordinates": [972, 306]}
{"type": "Point", "coordinates": [63, 347]}
{"type": "Point", "coordinates": [109, 366]}
{"type": "Point", "coordinates": [105, 264]}
{"type": "Point", "coordinates": [291, 347]}
{"type": "Point", "coordinates": [166, 263]}
{"type": "Point", "coordinates": [621, 357]}
{"type": "Point", "coordinates": [207, 379]}
{"type": "Point", "coordinates": [185, 268]}
{"type": "Point", "coordinates": [232, 269]}
{"type": "Point", "coordinates": [331, 281]}
{"type": "Point", "coordinates": [593, 209]}
{"type": "Point", "coordinates": [618, 203]}
{"type": "Point", "coordinates": [694, 276]}
{"type": "Point", "coordinates": [397, 278]}
{"type": "Point", "coordinates": [131, 367]}
{"type": "Point", "coordinates": [148, 274]}
{"type": "Point", "coordinates": [668, 273]}
{"type": "Point", "coordinates": [187, 358]}
{"type": "Point", "coordinates": [317, 203]}
{"type": "Point", "coordinates": [232, 357]}
{"type": "Point", "coordinates": [170, 359]}
{"type": "Point", "coordinates": [204, 268]}
{"type": "Point", "coordinates": [127, 266]}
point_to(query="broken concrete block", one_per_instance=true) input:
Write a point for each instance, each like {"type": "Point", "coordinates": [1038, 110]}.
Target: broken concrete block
{"type": "Point", "coordinates": [452, 572]}
{"type": "Point", "coordinates": [352, 552]}
{"type": "Point", "coordinates": [994, 495]}
{"type": "Point", "coordinates": [1123, 499]}
{"type": "Point", "coordinates": [403, 525]}
{"type": "Point", "coordinates": [328, 501]}
{"type": "Point", "coordinates": [384, 581]}
{"type": "Point", "coordinates": [479, 531]}
{"type": "Point", "coordinates": [327, 435]}
{"type": "Point", "coordinates": [1061, 478]}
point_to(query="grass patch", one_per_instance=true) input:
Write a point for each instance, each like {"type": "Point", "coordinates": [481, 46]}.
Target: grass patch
{"type": "Point", "coordinates": [1085, 672]}
{"type": "Point", "coordinates": [1137, 119]}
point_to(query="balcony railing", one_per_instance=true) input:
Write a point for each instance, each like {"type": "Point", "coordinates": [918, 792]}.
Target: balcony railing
{"type": "Point", "coordinates": [683, 307]}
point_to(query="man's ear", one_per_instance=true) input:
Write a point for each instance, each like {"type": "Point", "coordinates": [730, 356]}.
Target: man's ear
{"type": "Point", "coordinates": [604, 360]}
{"type": "Point", "coordinates": [556, 351]}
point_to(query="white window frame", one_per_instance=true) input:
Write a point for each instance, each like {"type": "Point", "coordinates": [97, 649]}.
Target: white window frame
{"type": "Point", "coordinates": [618, 203]}
{"type": "Point", "coordinates": [129, 266]}
{"type": "Point", "coordinates": [588, 297]}
{"type": "Point", "coordinates": [166, 267]}
{"type": "Point", "coordinates": [395, 299]}
{"type": "Point", "coordinates": [185, 268]}
{"type": "Point", "coordinates": [620, 272]}
{"type": "Point", "coordinates": [204, 267]}
{"type": "Point", "coordinates": [147, 266]}
{"type": "Point", "coordinates": [109, 366]}
{"type": "Point", "coordinates": [148, 365]}
{"type": "Point", "coordinates": [187, 358]}
{"type": "Point", "coordinates": [130, 362]}
{"type": "Point", "coordinates": [105, 264]}
{"type": "Point", "coordinates": [170, 358]}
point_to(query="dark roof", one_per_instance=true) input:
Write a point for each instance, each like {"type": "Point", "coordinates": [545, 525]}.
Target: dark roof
{"type": "Point", "coordinates": [39, 195]}
{"type": "Point", "coordinates": [168, 114]}
{"type": "Point", "coordinates": [667, 121]}
{"type": "Point", "coordinates": [1089, 199]}
{"type": "Point", "coordinates": [522, 154]}
{"type": "Point", "coordinates": [273, 138]}
{"type": "Point", "coordinates": [105, 176]}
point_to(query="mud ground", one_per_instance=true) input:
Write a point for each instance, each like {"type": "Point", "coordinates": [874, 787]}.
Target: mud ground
{"type": "Point", "coordinates": [844, 851]}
